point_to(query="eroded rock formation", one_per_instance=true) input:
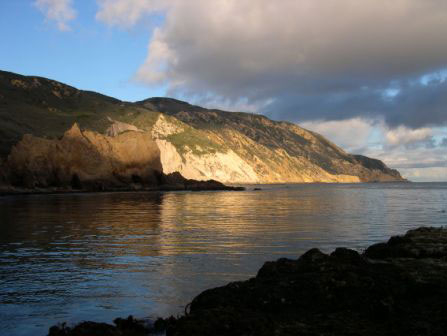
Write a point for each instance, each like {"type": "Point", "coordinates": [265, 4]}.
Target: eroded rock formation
{"type": "Point", "coordinates": [89, 161]}
{"type": "Point", "coordinates": [85, 159]}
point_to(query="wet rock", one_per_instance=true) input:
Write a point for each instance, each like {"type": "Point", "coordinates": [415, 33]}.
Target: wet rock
{"type": "Point", "coordinates": [420, 243]}
{"type": "Point", "coordinates": [177, 181]}
{"type": "Point", "coordinates": [122, 327]}
{"type": "Point", "coordinates": [85, 328]}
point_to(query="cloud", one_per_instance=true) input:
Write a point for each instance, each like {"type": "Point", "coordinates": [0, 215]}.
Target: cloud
{"type": "Point", "coordinates": [330, 60]}
{"type": "Point", "coordinates": [410, 151]}
{"type": "Point", "coordinates": [358, 134]}
{"type": "Point", "coordinates": [415, 154]}
{"type": "Point", "coordinates": [405, 136]}
{"type": "Point", "coordinates": [126, 13]}
{"type": "Point", "coordinates": [351, 134]}
{"type": "Point", "coordinates": [434, 174]}
{"type": "Point", "coordinates": [415, 105]}
{"type": "Point", "coordinates": [414, 163]}
{"type": "Point", "coordinates": [60, 11]}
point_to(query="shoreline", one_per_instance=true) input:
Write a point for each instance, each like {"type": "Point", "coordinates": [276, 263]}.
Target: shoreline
{"type": "Point", "coordinates": [182, 185]}
{"type": "Point", "coordinates": [393, 288]}
{"type": "Point", "coordinates": [13, 191]}
{"type": "Point", "coordinates": [71, 192]}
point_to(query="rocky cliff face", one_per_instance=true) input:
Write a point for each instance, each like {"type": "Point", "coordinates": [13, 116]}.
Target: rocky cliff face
{"type": "Point", "coordinates": [89, 161]}
{"type": "Point", "coordinates": [85, 159]}
{"type": "Point", "coordinates": [221, 144]}
{"type": "Point", "coordinates": [196, 162]}
{"type": "Point", "coordinates": [124, 143]}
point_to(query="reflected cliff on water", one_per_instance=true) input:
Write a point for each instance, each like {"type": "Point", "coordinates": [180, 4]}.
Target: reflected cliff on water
{"type": "Point", "coordinates": [98, 256]}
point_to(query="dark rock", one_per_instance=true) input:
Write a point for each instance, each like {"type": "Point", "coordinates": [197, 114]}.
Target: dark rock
{"type": "Point", "coordinates": [420, 243]}
{"type": "Point", "coordinates": [76, 182]}
{"type": "Point", "coordinates": [177, 181]}
{"type": "Point", "coordinates": [122, 327]}
{"type": "Point", "coordinates": [84, 329]}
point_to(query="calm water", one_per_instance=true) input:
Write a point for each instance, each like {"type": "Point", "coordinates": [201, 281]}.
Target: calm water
{"type": "Point", "coordinates": [100, 256]}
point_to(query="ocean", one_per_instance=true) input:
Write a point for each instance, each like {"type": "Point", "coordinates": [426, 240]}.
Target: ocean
{"type": "Point", "coordinates": [98, 256]}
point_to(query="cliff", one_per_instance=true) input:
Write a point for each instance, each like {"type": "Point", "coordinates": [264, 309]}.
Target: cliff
{"type": "Point", "coordinates": [85, 159]}
{"type": "Point", "coordinates": [199, 143]}
{"type": "Point", "coordinates": [89, 161]}
{"type": "Point", "coordinates": [276, 152]}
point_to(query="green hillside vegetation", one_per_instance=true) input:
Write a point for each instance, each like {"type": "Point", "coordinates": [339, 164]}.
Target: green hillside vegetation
{"type": "Point", "coordinates": [46, 108]}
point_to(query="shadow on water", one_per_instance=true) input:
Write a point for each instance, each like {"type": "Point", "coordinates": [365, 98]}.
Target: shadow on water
{"type": "Point", "coordinates": [99, 256]}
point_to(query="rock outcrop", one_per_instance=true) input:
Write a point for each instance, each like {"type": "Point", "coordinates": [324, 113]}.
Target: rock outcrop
{"type": "Point", "coordinates": [89, 161]}
{"type": "Point", "coordinates": [118, 127]}
{"type": "Point", "coordinates": [85, 160]}
{"type": "Point", "coordinates": [394, 288]}
{"type": "Point", "coordinates": [195, 162]}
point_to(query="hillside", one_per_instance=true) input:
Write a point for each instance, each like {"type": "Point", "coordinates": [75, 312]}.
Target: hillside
{"type": "Point", "coordinates": [199, 143]}
{"type": "Point", "coordinates": [277, 151]}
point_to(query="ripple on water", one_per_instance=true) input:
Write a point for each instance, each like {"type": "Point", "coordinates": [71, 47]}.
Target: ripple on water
{"type": "Point", "coordinates": [71, 257]}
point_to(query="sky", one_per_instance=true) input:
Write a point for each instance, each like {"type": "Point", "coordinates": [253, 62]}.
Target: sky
{"type": "Point", "coordinates": [369, 75]}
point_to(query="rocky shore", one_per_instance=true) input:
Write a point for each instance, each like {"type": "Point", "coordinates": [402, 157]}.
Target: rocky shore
{"type": "Point", "coordinates": [393, 288]}
{"type": "Point", "coordinates": [169, 182]}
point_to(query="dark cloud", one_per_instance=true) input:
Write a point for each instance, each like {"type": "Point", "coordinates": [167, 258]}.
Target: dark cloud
{"type": "Point", "coordinates": [327, 60]}
{"type": "Point", "coordinates": [313, 60]}
{"type": "Point", "coordinates": [429, 164]}
{"type": "Point", "coordinates": [416, 105]}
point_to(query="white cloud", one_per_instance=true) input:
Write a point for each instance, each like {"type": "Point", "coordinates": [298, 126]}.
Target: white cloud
{"type": "Point", "coordinates": [126, 13]}
{"type": "Point", "coordinates": [229, 45]}
{"type": "Point", "coordinates": [60, 11]}
{"type": "Point", "coordinates": [328, 58]}
{"type": "Point", "coordinates": [351, 134]}
{"type": "Point", "coordinates": [409, 151]}
{"type": "Point", "coordinates": [417, 163]}
{"type": "Point", "coordinates": [431, 174]}
{"type": "Point", "coordinates": [404, 136]}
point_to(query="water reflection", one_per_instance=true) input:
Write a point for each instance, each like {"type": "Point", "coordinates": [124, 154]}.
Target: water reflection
{"type": "Point", "coordinates": [98, 256]}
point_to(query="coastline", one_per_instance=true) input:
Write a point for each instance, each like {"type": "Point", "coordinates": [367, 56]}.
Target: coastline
{"type": "Point", "coordinates": [210, 185]}
{"type": "Point", "coordinates": [179, 184]}
{"type": "Point", "coordinates": [23, 192]}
